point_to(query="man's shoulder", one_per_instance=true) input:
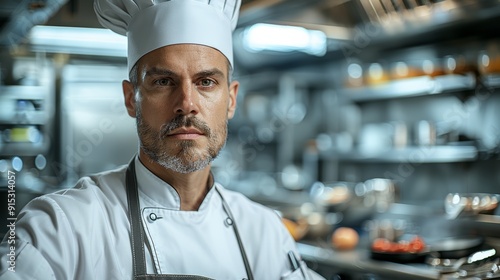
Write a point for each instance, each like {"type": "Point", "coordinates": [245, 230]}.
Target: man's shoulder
{"type": "Point", "coordinates": [100, 188]}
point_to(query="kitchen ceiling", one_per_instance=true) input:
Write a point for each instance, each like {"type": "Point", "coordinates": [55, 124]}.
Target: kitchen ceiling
{"type": "Point", "coordinates": [18, 16]}
{"type": "Point", "coordinates": [338, 19]}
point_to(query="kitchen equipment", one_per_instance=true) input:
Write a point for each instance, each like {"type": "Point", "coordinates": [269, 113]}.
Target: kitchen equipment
{"type": "Point", "coordinates": [455, 247]}
{"type": "Point", "coordinates": [480, 263]}
{"type": "Point", "coordinates": [489, 59]}
{"type": "Point", "coordinates": [354, 75]}
{"type": "Point", "coordinates": [467, 204]}
{"type": "Point", "coordinates": [418, 257]}
{"type": "Point", "coordinates": [307, 221]}
{"type": "Point", "coordinates": [356, 202]}
{"type": "Point", "coordinates": [425, 133]}
{"type": "Point", "coordinates": [375, 137]}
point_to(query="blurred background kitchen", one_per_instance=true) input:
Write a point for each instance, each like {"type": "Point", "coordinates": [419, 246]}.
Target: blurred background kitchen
{"type": "Point", "coordinates": [377, 116]}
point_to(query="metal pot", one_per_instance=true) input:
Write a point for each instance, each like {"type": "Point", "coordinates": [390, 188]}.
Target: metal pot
{"type": "Point", "coordinates": [354, 202]}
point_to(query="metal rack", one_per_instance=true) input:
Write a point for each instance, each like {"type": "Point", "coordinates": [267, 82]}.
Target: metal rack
{"type": "Point", "coordinates": [423, 154]}
{"type": "Point", "coordinates": [15, 117]}
{"type": "Point", "coordinates": [411, 87]}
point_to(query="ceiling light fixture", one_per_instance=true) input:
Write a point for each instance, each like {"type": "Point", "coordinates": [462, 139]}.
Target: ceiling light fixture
{"type": "Point", "coordinates": [78, 40]}
{"type": "Point", "coordinates": [284, 38]}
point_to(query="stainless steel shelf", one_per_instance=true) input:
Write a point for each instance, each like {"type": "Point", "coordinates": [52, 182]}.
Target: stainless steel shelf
{"type": "Point", "coordinates": [10, 114]}
{"type": "Point", "coordinates": [418, 86]}
{"type": "Point", "coordinates": [489, 219]}
{"type": "Point", "coordinates": [24, 92]}
{"type": "Point", "coordinates": [27, 118]}
{"type": "Point", "coordinates": [421, 154]}
{"type": "Point", "coordinates": [23, 149]}
{"type": "Point", "coordinates": [492, 81]}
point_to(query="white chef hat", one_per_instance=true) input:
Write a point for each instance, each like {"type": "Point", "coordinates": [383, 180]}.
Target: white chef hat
{"type": "Point", "coordinates": [151, 24]}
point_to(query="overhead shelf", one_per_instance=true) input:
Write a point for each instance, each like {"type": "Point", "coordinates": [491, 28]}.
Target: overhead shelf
{"type": "Point", "coordinates": [420, 154]}
{"type": "Point", "coordinates": [25, 118]}
{"type": "Point", "coordinates": [418, 86]}
{"type": "Point", "coordinates": [23, 92]}
{"type": "Point", "coordinates": [23, 149]}
{"type": "Point", "coordinates": [25, 105]}
{"type": "Point", "coordinates": [491, 81]}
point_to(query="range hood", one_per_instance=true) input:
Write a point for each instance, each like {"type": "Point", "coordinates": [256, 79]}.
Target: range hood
{"type": "Point", "coordinates": [365, 28]}
{"type": "Point", "coordinates": [398, 23]}
{"type": "Point", "coordinates": [392, 16]}
{"type": "Point", "coordinates": [337, 18]}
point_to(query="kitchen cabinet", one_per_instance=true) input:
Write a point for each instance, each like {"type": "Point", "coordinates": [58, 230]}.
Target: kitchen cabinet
{"type": "Point", "coordinates": [27, 112]}
{"type": "Point", "coordinates": [27, 117]}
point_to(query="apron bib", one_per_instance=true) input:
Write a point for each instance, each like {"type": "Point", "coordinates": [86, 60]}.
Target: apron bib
{"type": "Point", "coordinates": [137, 234]}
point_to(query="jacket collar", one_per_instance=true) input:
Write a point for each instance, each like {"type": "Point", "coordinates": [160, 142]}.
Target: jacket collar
{"type": "Point", "coordinates": [160, 193]}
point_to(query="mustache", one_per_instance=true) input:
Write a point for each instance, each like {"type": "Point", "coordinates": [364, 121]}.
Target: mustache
{"type": "Point", "coordinates": [184, 121]}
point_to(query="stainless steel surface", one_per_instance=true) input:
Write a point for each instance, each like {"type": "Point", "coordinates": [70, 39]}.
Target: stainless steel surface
{"type": "Point", "coordinates": [97, 133]}
{"type": "Point", "coordinates": [359, 261]}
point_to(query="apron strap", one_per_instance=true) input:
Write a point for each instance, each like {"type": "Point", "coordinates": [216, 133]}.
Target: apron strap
{"type": "Point", "coordinates": [236, 232]}
{"type": "Point", "coordinates": [134, 215]}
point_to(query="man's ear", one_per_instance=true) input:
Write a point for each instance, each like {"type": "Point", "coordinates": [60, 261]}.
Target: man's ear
{"type": "Point", "coordinates": [233, 94]}
{"type": "Point", "coordinates": [129, 95]}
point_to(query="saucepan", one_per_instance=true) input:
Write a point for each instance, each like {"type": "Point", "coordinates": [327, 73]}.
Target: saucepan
{"type": "Point", "coordinates": [308, 221]}
{"type": "Point", "coordinates": [354, 202]}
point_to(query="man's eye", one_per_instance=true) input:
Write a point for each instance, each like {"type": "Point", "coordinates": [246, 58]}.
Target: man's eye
{"type": "Point", "coordinates": [163, 82]}
{"type": "Point", "coordinates": [206, 83]}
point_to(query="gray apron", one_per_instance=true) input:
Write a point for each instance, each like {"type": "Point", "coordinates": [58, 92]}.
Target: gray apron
{"type": "Point", "coordinates": [137, 234]}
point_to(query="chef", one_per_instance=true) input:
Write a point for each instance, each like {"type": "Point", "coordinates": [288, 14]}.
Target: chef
{"type": "Point", "coordinates": [162, 216]}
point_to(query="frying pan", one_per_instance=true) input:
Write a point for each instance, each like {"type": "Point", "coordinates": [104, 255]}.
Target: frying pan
{"type": "Point", "coordinates": [400, 257]}
{"type": "Point", "coordinates": [446, 248]}
{"type": "Point", "coordinates": [456, 247]}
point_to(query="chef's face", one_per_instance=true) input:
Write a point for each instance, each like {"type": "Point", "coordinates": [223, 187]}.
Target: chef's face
{"type": "Point", "coordinates": [182, 102]}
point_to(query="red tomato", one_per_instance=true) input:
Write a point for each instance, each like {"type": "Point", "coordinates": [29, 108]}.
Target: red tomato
{"type": "Point", "coordinates": [403, 246]}
{"type": "Point", "coordinates": [417, 244]}
{"type": "Point", "coordinates": [381, 245]}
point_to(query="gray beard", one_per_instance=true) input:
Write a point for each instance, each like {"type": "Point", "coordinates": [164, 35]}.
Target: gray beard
{"type": "Point", "coordinates": [175, 163]}
{"type": "Point", "coordinates": [184, 161]}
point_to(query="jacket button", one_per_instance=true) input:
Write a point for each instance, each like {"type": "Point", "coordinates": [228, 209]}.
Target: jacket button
{"type": "Point", "coordinates": [153, 217]}
{"type": "Point", "coordinates": [228, 222]}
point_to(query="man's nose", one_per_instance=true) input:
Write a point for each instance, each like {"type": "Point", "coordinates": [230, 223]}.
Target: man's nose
{"type": "Point", "coordinates": [187, 100]}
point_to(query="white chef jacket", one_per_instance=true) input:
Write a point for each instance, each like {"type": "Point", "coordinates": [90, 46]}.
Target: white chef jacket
{"type": "Point", "coordinates": [84, 233]}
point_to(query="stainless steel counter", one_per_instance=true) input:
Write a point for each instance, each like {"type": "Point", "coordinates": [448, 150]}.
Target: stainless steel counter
{"type": "Point", "coordinates": [358, 262]}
